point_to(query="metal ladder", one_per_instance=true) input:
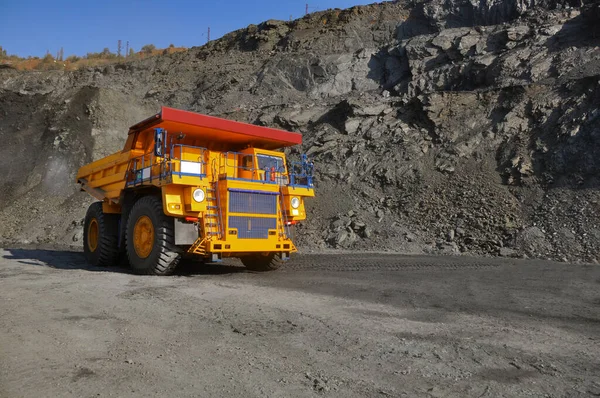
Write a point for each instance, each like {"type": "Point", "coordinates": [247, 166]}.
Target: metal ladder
{"type": "Point", "coordinates": [213, 214]}
{"type": "Point", "coordinates": [212, 217]}
{"type": "Point", "coordinates": [211, 221]}
{"type": "Point", "coordinates": [285, 228]}
{"type": "Point", "coordinates": [283, 219]}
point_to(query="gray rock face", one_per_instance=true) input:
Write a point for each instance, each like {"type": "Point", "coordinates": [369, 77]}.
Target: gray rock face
{"type": "Point", "coordinates": [449, 126]}
{"type": "Point", "coordinates": [461, 13]}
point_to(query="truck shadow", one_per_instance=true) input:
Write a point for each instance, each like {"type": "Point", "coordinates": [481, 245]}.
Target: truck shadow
{"type": "Point", "coordinates": [71, 260]}
{"type": "Point", "coordinates": [192, 268]}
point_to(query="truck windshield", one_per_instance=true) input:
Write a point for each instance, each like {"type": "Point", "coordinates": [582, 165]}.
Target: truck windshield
{"type": "Point", "coordinates": [268, 162]}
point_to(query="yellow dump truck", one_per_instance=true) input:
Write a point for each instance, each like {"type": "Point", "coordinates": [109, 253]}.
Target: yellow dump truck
{"type": "Point", "coordinates": [187, 183]}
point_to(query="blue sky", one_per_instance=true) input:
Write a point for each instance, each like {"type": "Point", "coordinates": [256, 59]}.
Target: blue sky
{"type": "Point", "coordinates": [30, 27]}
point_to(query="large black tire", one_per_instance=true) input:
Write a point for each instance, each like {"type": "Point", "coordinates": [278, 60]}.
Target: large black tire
{"type": "Point", "coordinates": [163, 257]}
{"type": "Point", "coordinates": [263, 263]}
{"type": "Point", "coordinates": [101, 237]}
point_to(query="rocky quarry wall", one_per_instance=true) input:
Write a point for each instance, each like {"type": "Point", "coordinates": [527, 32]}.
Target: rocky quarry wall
{"type": "Point", "coordinates": [436, 126]}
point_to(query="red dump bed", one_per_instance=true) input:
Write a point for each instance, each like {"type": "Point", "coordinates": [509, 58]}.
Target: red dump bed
{"type": "Point", "coordinates": [214, 130]}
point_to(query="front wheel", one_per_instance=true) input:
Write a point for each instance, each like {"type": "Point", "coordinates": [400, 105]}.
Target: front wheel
{"type": "Point", "coordinates": [262, 262]}
{"type": "Point", "coordinates": [150, 238]}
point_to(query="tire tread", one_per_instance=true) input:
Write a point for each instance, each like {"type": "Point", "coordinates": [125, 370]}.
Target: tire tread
{"type": "Point", "coordinates": [169, 255]}
{"type": "Point", "coordinates": [108, 229]}
{"type": "Point", "coordinates": [262, 263]}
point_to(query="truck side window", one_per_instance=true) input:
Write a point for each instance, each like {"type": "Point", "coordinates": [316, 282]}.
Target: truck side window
{"type": "Point", "coordinates": [247, 162]}
{"type": "Point", "coordinates": [268, 162]}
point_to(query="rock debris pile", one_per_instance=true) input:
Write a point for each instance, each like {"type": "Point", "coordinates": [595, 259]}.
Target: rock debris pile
{"type": "Point", "coordinates": [436, 126]}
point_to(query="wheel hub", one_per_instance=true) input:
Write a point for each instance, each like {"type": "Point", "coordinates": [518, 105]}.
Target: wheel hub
{"type": "Point", "coordinates": [143, 236]}
{"type": "Point", "coordinates": [92, 235]}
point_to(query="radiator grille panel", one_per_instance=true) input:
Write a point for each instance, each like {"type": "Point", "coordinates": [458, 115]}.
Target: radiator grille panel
{"type": "Point", "coordinates": [252, 227]}
{"type": "Point", "coordinates": [252, 202]}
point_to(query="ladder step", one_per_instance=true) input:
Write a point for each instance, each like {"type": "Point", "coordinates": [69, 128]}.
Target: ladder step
{"type": "Point", "coordinates": [211, 225]}
{"type": "Point", "coordinates": [198, 247]}
{"type": "Point", "coordinates": [211, 215]}
{"type": "Point", "coordinates": [212, 207]}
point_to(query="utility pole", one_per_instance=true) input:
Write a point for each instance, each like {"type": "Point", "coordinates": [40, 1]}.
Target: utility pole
{"type": "Point", "coordinates": [208, 35]}
{"type": "Point", "coordinates": [119, 48]}
{"type": "Point", "coordinates": [127, 49]}
{"type": "Point", "coordinates": [310, 8]}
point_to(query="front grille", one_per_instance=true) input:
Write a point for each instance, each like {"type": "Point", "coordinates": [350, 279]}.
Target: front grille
{"type": "Point", "coordinates": [252, 227]}
{"type": "Point", "coordinates": [252, 202]}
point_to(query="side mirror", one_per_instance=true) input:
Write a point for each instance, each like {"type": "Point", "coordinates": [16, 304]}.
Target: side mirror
{"type": "Point", "coordinates": [159, 142]}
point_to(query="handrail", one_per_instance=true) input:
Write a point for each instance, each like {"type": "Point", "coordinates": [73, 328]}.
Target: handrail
{"type": "Point", "coordinates": [301, 173]}
{"type": "Point", "coordinates": [225, 163]}
{"type": "Point", "coordinates": [136, 173]}
{"type": "Point", "coordinates": [199, 160]}
{"type": "Point", "coordinates": [229, 170]}
{"type": "Point", "coordinates": [286, 226]}
{"type": "Point", "coordinates": [141, 168]}
{"type": "Point", "coordinates": [203, 151]}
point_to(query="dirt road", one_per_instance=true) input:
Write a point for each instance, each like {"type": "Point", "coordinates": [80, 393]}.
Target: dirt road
{"type": "Point", "coordinates": [334, 325]}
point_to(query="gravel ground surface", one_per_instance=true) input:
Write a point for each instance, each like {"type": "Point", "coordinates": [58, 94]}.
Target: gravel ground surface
{"type": "Point", "coordinates": [436, 126]}
{"type": "Point", "coordinates": [333, 325]}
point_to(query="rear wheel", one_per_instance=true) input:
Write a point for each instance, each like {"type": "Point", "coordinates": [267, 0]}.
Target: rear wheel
{"type": "Point", "coordinates": [263, 262]}
{"type": "Point", "coordinates": [150, 238]}
{"type": "Point", "coordinates": [100, 236]}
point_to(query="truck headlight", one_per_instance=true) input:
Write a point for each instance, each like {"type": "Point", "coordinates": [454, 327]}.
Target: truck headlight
{"type": "Point", "coordinates": [295, 202]}
{"type": "Point", "coordinates": [199, 195]}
